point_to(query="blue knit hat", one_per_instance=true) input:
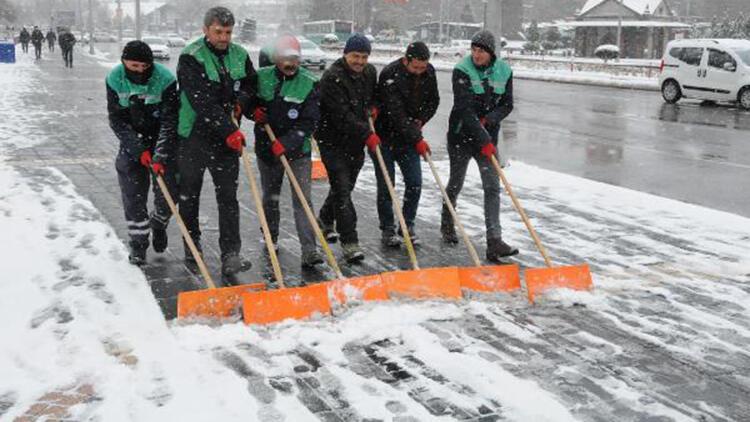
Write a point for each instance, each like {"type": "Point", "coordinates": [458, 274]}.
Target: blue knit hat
{"type": "Point", "coordinates": [358, 43]}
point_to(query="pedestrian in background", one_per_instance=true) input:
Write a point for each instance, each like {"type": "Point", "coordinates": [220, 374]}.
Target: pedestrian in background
{"type": "Point", "coordinates": [51, 39]}
{"type": "Point", "coordinates": [67, 40]}
{"type": "Point", "coordinates": [37, 38]}
{"type": "Point", "coordinates": [24, 37]}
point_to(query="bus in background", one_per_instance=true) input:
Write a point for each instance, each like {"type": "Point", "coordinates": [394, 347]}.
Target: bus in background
{"type": "Point", "coordinates": [318, 30]}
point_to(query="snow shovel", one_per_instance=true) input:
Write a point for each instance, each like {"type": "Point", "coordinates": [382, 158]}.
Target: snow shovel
{"type": "Point", "coordinates": [263, 308]}
{"type": "Point", "coordinates": [577, 277]}
{"type": "Point", "coordinates": [417, 283]}
{"type": "Point", "coordinates": [478, 278]}
{"type": "Point", "coordinates": [219, 302]}
{"type": "Point", "coordinates": [270, 306]}
{"type": "Point", "coordinates": [318, 168]}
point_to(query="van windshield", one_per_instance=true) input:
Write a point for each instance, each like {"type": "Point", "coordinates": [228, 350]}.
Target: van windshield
{"type": "Point", "coordinates": [744, 54]}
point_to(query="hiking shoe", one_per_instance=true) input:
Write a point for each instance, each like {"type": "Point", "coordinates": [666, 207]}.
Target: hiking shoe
{"type": "Point", "coordinates": [159, 240]}
{"type": "Point", "coordinates": [329, 232]}
{"type": "Point", "coordinates": [415, 241]}
{"type": "Point", "coordinates": [449, 235]}
{"type": "Point", "coordinates": [390, 239]}
{"type": "Point", "coordinates": [498, 249]}
{"type": "Point", "coordinates": [190, 261]}
{"type": "Point", "coordinates": [232, 263]}
{"type": "Point", "coordinates": [137, 256]}
{"type": "Point", "coordinates": [352, 252]}
{"type": "Point", "coordinates": [311, 258]}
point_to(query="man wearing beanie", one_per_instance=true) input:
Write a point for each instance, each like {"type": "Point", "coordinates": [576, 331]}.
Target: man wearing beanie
{"type": "Point", "coordinates": [482, 98]}
{"type": "Point", "coordinates": [347, 96]}
{"type": "Point", "coordinates": [408, 97]}
{"type": "Point", "coordinates": [142, 103]}
{"type": "Point", "coordinates": [290, 95]}
{"type": "Point", "coordinates": [217, 84]}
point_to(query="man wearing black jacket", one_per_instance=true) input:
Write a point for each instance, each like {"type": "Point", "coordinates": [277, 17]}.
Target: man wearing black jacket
{"type": "Point", "coordinates": [24, 37]}
{"type": "Point", "coordinates": [51, 38]}
{"type": "Point", "coordinates": [482, 98]}
{"type": "Point", "coordinates": [67, 40]}
{"type": "Point", "coordinates": [217, 84]}
{"type": "Point", "coordinates": [37, 38]}
{"type": "Point", "coordinates": [347, 96]}
{"type": "Point", "coordinates": [408, 97]}
{"type": "Point", "coordinates": [142, 103]}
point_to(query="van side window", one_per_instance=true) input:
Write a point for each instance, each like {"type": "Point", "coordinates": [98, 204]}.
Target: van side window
{"type": "Point", "coordinates": [718, 58]}
{"type": "Point", "coordinates": [676, 52]}
{"type": "Point", "coordinates": [692, 55]}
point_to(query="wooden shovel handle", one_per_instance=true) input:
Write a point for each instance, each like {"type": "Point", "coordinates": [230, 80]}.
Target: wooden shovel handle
{"type": "Point", "coordinates": [185, 233]}
{"type": "Point", "coordinates": [263, 221]}
{"type": "Point", "coordinates": [521, 212]}
{"type": "Point", "coordinates": [396, 203]}
{"type": "Point", "coordinates": [454, 214]}
{"type": "Point", "coordinates": [310, 215]}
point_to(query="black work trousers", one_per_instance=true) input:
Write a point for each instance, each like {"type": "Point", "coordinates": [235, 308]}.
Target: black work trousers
{"type": "Point", "coordinates": [338, 210]}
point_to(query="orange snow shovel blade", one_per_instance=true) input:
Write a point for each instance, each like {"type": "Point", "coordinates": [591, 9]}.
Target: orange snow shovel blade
{"type": "Point", "coordinates": [319, 170]}
{"type": "Point", "coordinates": [277, 305]}
{"type": "Point", "coordinates": [217, 303]}
{"type": "Point", "coordinates": [430, 283]}
{"type": "Point", "coordinates": [498, 278]}
{"type": "Point", "coordinates": [366, 288]}
{"type": "Point", "coordinates": [576, 277]}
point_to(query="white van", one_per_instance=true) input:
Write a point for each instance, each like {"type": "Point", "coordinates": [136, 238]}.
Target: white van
{"type": "Point", "coordinates": [706, 69]}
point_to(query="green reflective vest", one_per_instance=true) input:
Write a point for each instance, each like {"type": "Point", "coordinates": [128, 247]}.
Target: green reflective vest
{"type": "Point", "coordinates": [234, 62]}
{"type": "Point", "coordinates": [151, 92]}
{"type": "Point", "coordinates": [498, 75]}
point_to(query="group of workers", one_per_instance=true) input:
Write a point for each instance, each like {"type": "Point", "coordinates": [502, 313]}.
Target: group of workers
{"type": "Point", "coordinates": [177, 127]}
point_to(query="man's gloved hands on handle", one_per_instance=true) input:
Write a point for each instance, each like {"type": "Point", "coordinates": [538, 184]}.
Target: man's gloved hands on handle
{"type": "Point", "coordinates": [489, 150]}
{"type": "Point", "coordinates": [372, 141]}
{"type": "Point", "coordinates": [235, 141]}
{"type": "Point", "coordinates": [277, 148]}
{"type": "Point", "coordinates": [260, 115]}
{"type": "Point", "coordinates": [422, 147]}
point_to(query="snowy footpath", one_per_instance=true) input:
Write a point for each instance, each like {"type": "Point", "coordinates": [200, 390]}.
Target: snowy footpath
{"type": "Point", "coordinates": [664, 335]}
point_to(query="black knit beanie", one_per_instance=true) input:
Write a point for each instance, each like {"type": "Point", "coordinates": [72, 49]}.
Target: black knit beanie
{"type": "Point", "coordinates": [484, 40]}
{"type": "Point", "coordinates": [418, 50]}
{"type": "Point", "coordinates": [138, 51]}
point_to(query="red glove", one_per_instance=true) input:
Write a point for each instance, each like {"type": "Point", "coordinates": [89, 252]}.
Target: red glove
{"type": "Point", "coordinates": [158, 168]}
{"type": "Point", "coordinates": [374, 113]}
{"type": "Point", "coordinates": [483, 121]}
{"type": "Point", "coordinates": [372, 141]}
{"type": "Point", "coordinates": [277, 148]}
{"type": "Point", "coordinates": [146, 158]}
{"type": "Point", "coordinates": [422, 147]}
{"type": "Point", "coordinates": [489, 150]}
{"type": "Point", "coordinates": [260, 116]}
{"type": "Point", "coordinates": [236, 140]}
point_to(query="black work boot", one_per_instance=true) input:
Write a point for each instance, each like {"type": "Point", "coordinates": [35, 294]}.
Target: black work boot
{"type": "Point", "coordinates": [390, 239]}
{"type": "Point", "coordinates": [352, 253]}
{"type": "Point", "coordinates": [415, 241]}
{"type": "Point", "coordinates": [190, 261]}
{"type": "Point", "coordinates": [448, 231]}
{"type": "Point", "coordinates": [159, 239]}
{"type": "Point", "coordinates": [311, 258]}
{"type": "Point", "coordinates": [138, 255]}
{"type": "Point", "coordinates": [232, 263]}
{"type": "Point", "coordinates": [498, 249]}
{"type": "Point", "coordinates": [329, 232]}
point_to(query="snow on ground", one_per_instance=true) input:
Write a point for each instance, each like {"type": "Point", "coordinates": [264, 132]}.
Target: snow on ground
{"type": "Point", "coordinates": [78, 320]}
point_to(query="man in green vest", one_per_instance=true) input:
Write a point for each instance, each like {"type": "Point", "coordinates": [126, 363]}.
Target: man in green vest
{"type": "Point", "coordinates": [289, 93]}
{"type": "Point", "coordinates": [482, 98]}
{"type": "Point", "coordinates": [142, 103]}
{"type": "Point", "coordinates": [217, 84]}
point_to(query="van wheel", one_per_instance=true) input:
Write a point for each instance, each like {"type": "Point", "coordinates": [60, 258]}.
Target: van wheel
{"type": "Point", "coordinates": [744, 98]}
{"type": "Point", "coordinates": [671, 92]}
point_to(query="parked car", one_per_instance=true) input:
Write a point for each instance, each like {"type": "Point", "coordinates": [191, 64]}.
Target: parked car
{"type": "Point", "coordinates": [456, 48]}
{"type": "Point", "coordinates": [312, 55]}
{"type": "Point", "coordinates": [158, 47]}
{"type": "Point", "coordinates": [706, 69]}
{"type": "Point", "coordinates": [175, 42]}
{"type": "Point", "coordinates": [104, 37]}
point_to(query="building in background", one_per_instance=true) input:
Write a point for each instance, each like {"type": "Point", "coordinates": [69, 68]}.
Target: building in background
{"type": "Point", "coordinates": [644, 27]}
{"type": "Point", "coordinates": [504, 17]}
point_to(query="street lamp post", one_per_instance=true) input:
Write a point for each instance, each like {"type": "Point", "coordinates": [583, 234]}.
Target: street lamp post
{"type": "Point", "coordinates": [138, 19]}
{"type": "Point", "coordinates": [484, 18]}
{"type": "Point", "coordinates": [619, 28]}
{"type": "Point", "coordinates": [91, 26]}
{"type": "Point", "coordinates": [119, 20]}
